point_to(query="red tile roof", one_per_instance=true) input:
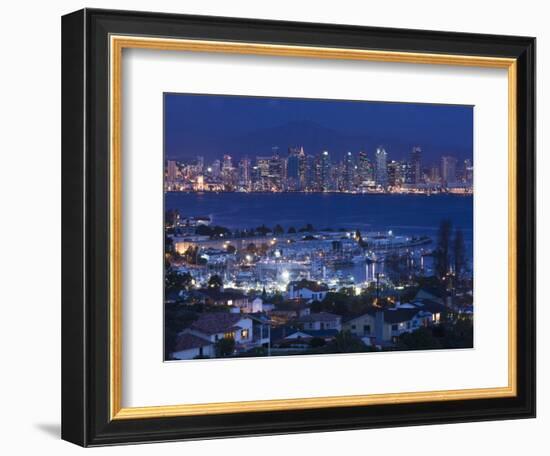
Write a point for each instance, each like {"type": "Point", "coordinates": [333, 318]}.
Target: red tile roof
{"type": "Point", "coordinates": [217, 322]}
{"type": "Point", "coordinates": [189, 341]}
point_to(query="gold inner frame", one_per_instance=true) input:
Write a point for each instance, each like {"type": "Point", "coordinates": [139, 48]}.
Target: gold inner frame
{"type": "Point", "coordinates": [117, 44]}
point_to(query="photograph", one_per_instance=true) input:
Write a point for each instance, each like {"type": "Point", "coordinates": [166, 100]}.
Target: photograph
{"type": "Point", "coordinates": [274, 225]}
{"type": "Point", "coordinates": [300, 226]}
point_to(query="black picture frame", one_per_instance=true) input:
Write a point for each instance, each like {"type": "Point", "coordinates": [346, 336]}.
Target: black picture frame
{"type": "Point", "coordinates": [85, 224]}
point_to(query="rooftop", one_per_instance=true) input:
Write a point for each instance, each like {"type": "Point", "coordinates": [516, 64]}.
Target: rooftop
{"type": "Point", "coordinates": [216, 322]}
{"type": "Point", "coordinates": [322, 316]}
{"type": "Point", "coordinates": [189, 341]}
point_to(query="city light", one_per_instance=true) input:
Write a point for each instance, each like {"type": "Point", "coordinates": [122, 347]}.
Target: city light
{"type": "Point", "coordinates": [323, 171]}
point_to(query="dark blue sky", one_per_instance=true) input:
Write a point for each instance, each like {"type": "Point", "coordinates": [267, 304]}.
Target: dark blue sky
{"type": "Point", "coordinates": [213, 125]}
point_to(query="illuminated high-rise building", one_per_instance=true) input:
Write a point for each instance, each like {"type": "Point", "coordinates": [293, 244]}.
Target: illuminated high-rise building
{"type": "Point", "coordinates": [348, 172]}
{"type": "Point", "coordinates": [448, 170]}
{"type": "Point", "coordinates": [276, 169]}
{"type": "Point", "coordinates": [364, 168]}
{"type": "Point", "coordinates": [381, 171]}
{"type": "Point", "coordinates": [216, 169]}
{"type": "Point", "coordinates": [311, 173]}
{"type": "Point", "coordinates": [172, 170]}
{"type": "Point", "coordinates": [416, 164]}
{"type": "Point", "coordinates": [245, 178]}
{"type": "Point", "coordinates": [324, 171]}
{"type": "Point", "coordinates": [468, 174]}
{"type": "Point", "coordinates": [294, 171]}
{"type": "Point", "coordinates": [395, 178]}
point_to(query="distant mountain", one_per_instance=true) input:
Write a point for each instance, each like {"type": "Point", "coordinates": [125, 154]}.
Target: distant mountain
{"type": "Point", "coordinates": [311, 135]}
{"type": "Point", "coordinates": [314, 138]}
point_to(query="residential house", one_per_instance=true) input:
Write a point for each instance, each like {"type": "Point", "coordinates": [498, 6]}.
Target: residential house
{"type": "Point", "coordinates": [189, 346]}
{"type": "Point", "coordinates": [227, 297]}
{"type": "Point", "coordinates": [397, 321]}
{"type": "Point", "coordinates": [218, 325]}
{"type": "Point", "coordinates": [436, 295]}
{"type": "Point", "coordinates": [307, 335]}
{"type": "Point", "coordinates": [308, 290]}
{"type": "Point", "coordinates": [320, 321]}
{"type": "Point", "coordinates": [362, 326]}
{"type": "Point", "coordinates": [384, 327]}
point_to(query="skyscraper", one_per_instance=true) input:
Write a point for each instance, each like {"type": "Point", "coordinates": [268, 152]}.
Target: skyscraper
{"type": "Point", "coordinates": [364, 168]}
{"type": "Point", "coordinates": [448, 170]}
{"type": "Point", "coordinates": [172, 170]}
{"type": "Point", "coordinates": [348, 172]}
{"type": "Point", "coordinates": [408, 173]}
{"type": "Point", "coordinates": [275, 172]}
{"type": "Point", "coordinates": [293, 169]}
{"type": "Point", "coordinates": [324, 171]}
{"type": "Point", "coordinates": [468, 177]}
{"type": "Point", "coordinates": [262, 164]}
{"type": "Point", "coordinates": [394, 173]}
{"type": "Point", "coordinates": [311, 172]}
{"type": "Point", "coordinates": [244, 173]}
{"type": "Point", "coordinates": [416, 163]}
{"type": "Point", "coordinates": [381, 170]}
{"type": "Point", "coordinates": [228, 173]}
{"type": "Point", "coordinates": [216, 168]}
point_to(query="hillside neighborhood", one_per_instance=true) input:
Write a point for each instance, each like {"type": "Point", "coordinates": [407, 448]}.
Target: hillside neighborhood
{"type": "Point", "coordinates": [311, 318]}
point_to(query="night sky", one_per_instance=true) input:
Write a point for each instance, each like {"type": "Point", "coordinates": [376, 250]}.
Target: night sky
{"type": "Point", "coordinates": [213, 125]}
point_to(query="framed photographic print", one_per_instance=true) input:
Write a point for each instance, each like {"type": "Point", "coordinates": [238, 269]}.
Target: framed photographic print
{"type": "Point", "coordinates": [278, 227]}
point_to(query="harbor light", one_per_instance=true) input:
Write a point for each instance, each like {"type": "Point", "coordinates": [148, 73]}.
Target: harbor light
{"type": "Point", "coordinates": [285, 275]}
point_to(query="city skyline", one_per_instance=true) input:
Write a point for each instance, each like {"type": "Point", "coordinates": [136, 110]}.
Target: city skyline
{"type": "Point", "coordinates": [215, 125]}
{"type": "Point", "coordinates": [296, 171]}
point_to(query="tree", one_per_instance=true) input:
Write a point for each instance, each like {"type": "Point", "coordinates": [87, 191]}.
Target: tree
{"type": "Point", "coordinates": [346, 342]}
{"type": "Point", "coordinates": [215, 282]}
{"type": "Point", "coordinates": [291, 230]}
{"type": "Point", "coordinates": [278, 230]}
{"type": "Point", "coordinates": [174, 281]}
{"type": "Point", "coordinates": [317, 342]}
{"type": "Point", "coordinates": [459, 254]}
{"type": "Point", "coordinates": [443, 249]}
{"type": "Point", "coordinates": [307, 229]}
{"type": "Point", "coordinates": [224, 347]}
{"type": "Point", "coordinates": [421, 339]}
{"type": "Point", "coordinates": [263, 230]}
{"type": "Point", "coordinates": [176, 318]}
{"type": "Point", "coordinates": [203, 230]}
{"type": "Point", "coordinates": [251, 248]}
{"type": "Point", "coordinates": [230, 248]}
{"type": "Point", "coordinates": [459, 334]}
{"type": "Point", "coordinates": [191, 255]}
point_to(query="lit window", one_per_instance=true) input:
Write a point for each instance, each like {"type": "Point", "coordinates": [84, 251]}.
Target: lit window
{"type": "Point", "coordinates": [229, 335]}
{"type": "Point", "coordinates": [244, 334]}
